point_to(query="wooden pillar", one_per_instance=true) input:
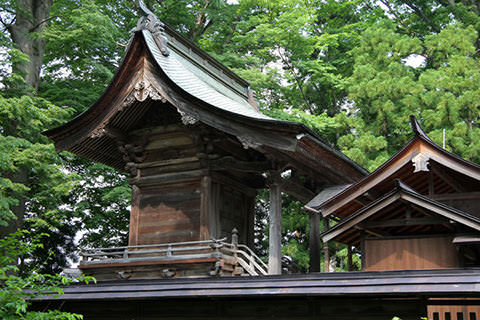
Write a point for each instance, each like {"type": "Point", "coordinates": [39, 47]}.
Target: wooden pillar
{"type": "Point", "coordinates": [362, 247]}
{"type": "Point", "coordinates": [275, 238]}
{"type": "Point", "coordinates": [326, 249]}
{"type": "Point", "coordinates": [134, 217]}
{"type": "Point", "coordinates": [349, 258]}
{"type": "Point", "coordinates": [314, 242]}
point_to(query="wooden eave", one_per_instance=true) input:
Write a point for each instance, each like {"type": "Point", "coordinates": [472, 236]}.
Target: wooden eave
{"type": "Point", "coordinates": [405, 196]}
{"type": "Point", "coordinates": [144, 62]}
{"type": "Point", "coordinates": [402, 160]}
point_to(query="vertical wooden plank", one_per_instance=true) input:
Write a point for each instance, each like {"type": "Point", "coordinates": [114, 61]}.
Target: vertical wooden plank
{"type": "Point", "coordinates": [205, 207]}
{"type": "Point", "coordinates": [213, 210]}
{"type": "Point", "coordinates": [275, 237]}
{"type": "Point", "coordinates": [349, 258]}
{"type": "Point", "coordinates": [134, 217]}
{"type": "Point", "coordinates": [326, 249]}
{"type": "Point", "coordinates": [362, 248]}
{"type": "Point", "coordinates": [314, 242]}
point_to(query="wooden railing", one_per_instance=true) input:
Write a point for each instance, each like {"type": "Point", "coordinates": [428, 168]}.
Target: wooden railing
{"type": "Point", "coordinates": [164, 251]}
{"type": "Point", "coordinates": [236, 254]}
{"type": "Point", "coordinates": [246, 258]}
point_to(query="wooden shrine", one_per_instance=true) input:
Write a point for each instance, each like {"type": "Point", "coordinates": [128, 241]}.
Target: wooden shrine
{"type": "Point", "coordinates": [189, 133]}
{"type": "Point", "coordinates": [418, 211]}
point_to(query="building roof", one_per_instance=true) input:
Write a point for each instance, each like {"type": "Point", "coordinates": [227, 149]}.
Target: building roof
{"type": "Point", "coordinates": [378, 283]}
{"type": "Point", "coordinates": [419, 151]}
{"type": "Point", "coordinates": [402, 195]}
{"type": "Point", "coordinates": [325, 195]}
{"type": "Point", "coordinates": [160, 68]}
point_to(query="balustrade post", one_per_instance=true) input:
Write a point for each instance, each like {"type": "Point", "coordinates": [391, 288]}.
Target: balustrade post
{"type": "Point", "coordinates": [235, 237]}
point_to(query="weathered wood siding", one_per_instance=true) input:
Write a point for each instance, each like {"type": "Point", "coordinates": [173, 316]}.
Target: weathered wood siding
{"type": "Point", "coordinates": [410, 253]}
{"type": "Point", "coordinates": [228, 208]}
{"type": "Point", "coordinates": [169, 213]}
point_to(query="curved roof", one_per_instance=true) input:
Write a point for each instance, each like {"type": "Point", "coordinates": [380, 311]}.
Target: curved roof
{"type": "Point", "coordinates": [161, 65]}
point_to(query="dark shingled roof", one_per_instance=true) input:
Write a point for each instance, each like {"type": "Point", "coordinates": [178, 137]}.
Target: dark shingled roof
{"type": "Point", "coordinates": [326, 194]}
{"type": "Point", "coordinates": [377, 283]}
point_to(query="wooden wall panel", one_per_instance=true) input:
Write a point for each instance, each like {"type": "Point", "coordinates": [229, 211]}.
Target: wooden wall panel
{"type": "Point", "coordinates": [169, 214]}
{"type": "Point", "coordinates": [231, 208]}
{"type": "Point", "coordinates": [411, 253]}
{"type": "Point", "coordinates": [454, 312]}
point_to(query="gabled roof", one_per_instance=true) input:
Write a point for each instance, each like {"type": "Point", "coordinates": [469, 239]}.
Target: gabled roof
{"type": "Point", "coordinates": [162, 68]}
{"type": "Point", "coordinates": [403, 195]}
{"type": "Point", "coordinates": [416, 156]}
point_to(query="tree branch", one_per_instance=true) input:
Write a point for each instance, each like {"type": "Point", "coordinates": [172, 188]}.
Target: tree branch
{"type": "Point", "coordinates": [385, 3]}
{"type": "Point", "coordinates": [297, 80]}
{"type": "Point", "coordinates": [422, 15]}
{"type": "Point", "coordinates": [32, 29]}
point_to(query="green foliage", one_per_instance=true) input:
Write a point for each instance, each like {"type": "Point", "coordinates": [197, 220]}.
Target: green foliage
{"type": "Point", "coordinates": [18, 289]}
{"type": "Point", "coordinates": [101, 202]}
{"type": "Point", "coordinates": [343, 68]}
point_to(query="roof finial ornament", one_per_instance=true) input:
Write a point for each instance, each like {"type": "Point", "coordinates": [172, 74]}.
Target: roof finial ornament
{"type": "Point", "coordinates": [417, 129]}
{"type": "Point", "coordinates": [151, 23]}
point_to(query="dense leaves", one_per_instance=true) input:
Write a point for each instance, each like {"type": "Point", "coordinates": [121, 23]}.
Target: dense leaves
{"type": "Point", "coordinates": [19, 288]}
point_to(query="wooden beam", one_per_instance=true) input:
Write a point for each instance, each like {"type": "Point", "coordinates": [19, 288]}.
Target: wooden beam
{"type": "Point", "coordinates": [456, 196]}
{"type": "Point", "coordinates": [447, 178]}
{"type": "Point", "coordinates": [314, 242]}
{"type": "Point", "coordinates": [460, 166]}
{"type": "Point", "coordinates": [403, 222]}
{"type": "Point", "coordinates": [445, 212]}
{"type": "Point", "coordinates": [231, 163]}
{"type": "Point", "coordinates": [296, 190]}
{"type": "Point", "coordinates": [275, 236]}
{"type": "Point", "coordinates": [367, 213]}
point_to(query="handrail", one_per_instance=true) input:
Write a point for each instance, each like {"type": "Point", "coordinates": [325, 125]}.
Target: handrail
{"type": "Point", "coordinates": [250, 251]}
{"type": "Point", "coordinates": [254, 261]}
{"type": "Point", "coordinates": [164, 250]}
{"type": "Point", "coordinates": [160, 244]}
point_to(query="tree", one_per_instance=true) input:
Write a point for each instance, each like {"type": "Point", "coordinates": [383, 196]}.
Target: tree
{"type": "Point", "coordinates": [18, 288]}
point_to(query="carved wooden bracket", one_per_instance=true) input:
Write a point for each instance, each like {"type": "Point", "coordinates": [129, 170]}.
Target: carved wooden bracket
{"type": "Point", "coordinates": [187, 119]}
{"type": "Point", "coordinates": [248, 142]}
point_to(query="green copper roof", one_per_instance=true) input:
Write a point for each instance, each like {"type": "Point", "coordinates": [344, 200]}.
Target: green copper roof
{"type": "Point", "coordinates": [199, 82]}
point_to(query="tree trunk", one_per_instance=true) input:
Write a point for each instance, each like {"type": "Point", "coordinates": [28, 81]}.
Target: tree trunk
{"type": "Point", "coordinates": [31, 18]}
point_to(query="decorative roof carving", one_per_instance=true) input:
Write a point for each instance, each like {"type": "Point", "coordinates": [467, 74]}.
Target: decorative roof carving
{"type": "Point", "coordinates": [420, 162]}
{"type": "Point", "coordinates": [151, 23]}
{"type": "Point", "coordinates": [417, 129]}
